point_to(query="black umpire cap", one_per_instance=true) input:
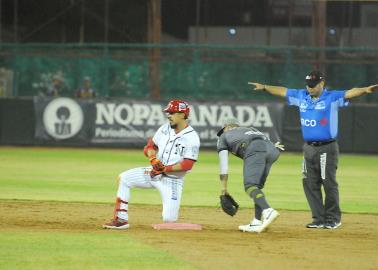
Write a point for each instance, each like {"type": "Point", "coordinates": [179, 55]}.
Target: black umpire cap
{"type": "Point", "coordinates": [314, 78]}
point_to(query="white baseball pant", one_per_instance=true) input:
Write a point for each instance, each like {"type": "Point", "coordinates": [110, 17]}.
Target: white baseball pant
{"type": "Point", "coordinates": [170, 190]}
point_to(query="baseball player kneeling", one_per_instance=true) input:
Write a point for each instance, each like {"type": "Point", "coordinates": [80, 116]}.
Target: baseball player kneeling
{"type": "Point", "coordinates": [172, 152]}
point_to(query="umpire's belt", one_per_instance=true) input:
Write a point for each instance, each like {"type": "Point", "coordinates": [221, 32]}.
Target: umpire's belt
{"type": "Point", "coordinates": [320, 143]}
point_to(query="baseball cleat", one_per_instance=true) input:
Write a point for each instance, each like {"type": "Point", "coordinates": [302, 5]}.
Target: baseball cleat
{"type": "Point", "coordinates": [332, 225]}
{"type": "Point", "coordinates": [116, 224]}
{"type": "Point", "coordinates": [252, 227]}
{"type": "Point", "coordinates": [249, 228]}
{"type": "Point", "coordinates": [268, 216]}
{"type": "Point", "coordinates": [315, 225]}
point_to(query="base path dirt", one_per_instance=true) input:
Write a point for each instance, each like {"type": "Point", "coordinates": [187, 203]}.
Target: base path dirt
{"type": "Point", "coordinates": [286, 245]}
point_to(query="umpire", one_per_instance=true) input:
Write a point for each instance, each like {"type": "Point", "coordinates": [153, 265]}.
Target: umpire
{"type": "Point", "coordinates": [318, 109]}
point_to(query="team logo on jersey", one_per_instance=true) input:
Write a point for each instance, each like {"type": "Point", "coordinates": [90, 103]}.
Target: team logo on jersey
{"type": "Point", "coordinates": [320, 105]}
{"type": "Point", "coordinates": [303, 106]}
{"type": "Point", "coordinates": [179, 149]}
{"type": "Point", "coordinates": [323, 121]}
{"type": "Point", "coordinates": [63, 118]}
{"type": "Point", "coordinates": [182, 106]}
{"type": "Point", "coordinates": [308, 122]}
{"type": "Point", "coordinates": [254, 132]}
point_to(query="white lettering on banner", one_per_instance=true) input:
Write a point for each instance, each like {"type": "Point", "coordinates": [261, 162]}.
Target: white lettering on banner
{"type": "Point", "coordinates": [308, 122]}
{"type": "Point", "coordinates": [206, 114]}
{"type": "Point", "coordinates": [141, 112]}
{"type": "Point", "coordinates": [118, 115]}
{"type": "Point", "coordinates": [122, 133]}
{"type": "Point", "coordinates": [125, 114]}
{"type": "Point", "coordinates": [150, 133]}
{"type": "Point", "coordinates": [105, 112]}
{"type": "Point", "coordinates": [226, 112]}
{"type": "Point", "coordinates": [202, 116]}
{"type": "Point", "coordinates": [157, 116]}
{"type": "Point", "coordinates": [118, 133]}
{"type": "Point", "coordinates": [263, 117]}
{"type": "Point", "coordinates": [246, 115]}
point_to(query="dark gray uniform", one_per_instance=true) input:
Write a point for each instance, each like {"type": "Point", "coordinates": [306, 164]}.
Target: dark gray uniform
{"type": "Point", "coordinates": [256, 150]}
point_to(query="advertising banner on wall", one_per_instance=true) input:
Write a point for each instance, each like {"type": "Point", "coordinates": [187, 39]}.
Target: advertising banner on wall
{"type": "Point", "coordinates": [62, 120]}
{"type": "Point", "coordinates": [130, 122]}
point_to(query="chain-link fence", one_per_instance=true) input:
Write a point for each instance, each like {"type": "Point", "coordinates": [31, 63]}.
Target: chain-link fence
{"type": "Point", "coordinates": [185, 71]}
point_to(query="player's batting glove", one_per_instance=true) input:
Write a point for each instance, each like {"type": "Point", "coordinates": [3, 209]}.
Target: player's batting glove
{"type": "Point", "coordinates": [154, 173]}
{"type": "Point", "coordinates": [157, 164]}
{"type": "Point", "coordinates": [229, 205]}
{"type": "Point", "coordinates": [279, 146]}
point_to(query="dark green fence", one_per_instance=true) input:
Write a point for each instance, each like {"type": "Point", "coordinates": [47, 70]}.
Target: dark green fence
{"type": "Point", "coordinates": [186, 71]}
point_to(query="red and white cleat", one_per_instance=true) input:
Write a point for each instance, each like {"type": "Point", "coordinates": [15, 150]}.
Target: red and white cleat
{"type": "Point", "coordinates": [116, 224]}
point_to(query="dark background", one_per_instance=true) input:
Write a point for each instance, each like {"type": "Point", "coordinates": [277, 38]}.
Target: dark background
{"type": "Point", "coordinates": [83, 20]}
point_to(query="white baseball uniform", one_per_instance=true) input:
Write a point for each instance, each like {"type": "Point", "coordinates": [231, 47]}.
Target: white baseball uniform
{"type": "Point", "coordinates": [173, 148]}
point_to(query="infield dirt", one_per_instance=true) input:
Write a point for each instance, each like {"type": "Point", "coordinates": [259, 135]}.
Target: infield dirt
{"type": "Point", "coordinates": [286, 245]}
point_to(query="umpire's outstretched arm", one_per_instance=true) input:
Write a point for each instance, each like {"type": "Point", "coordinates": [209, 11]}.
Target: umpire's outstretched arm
{"type": "Point", "coordinates": [356, 92]}
{"type": "Point", "coordinates": [274, 90]}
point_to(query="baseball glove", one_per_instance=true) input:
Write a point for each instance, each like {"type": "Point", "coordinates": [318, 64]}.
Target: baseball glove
{"type": "Point", "coordinates": [229, 205]}
{"type": "Point", "coordinates": [154, 173]}
{"type": "Point", "coordinates": [157, 164]}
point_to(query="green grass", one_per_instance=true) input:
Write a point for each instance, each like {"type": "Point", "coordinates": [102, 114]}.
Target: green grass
{"type": "Point", "coordinates": [89, 175]}
{"type": "Point", "coordinates": [64, 250]}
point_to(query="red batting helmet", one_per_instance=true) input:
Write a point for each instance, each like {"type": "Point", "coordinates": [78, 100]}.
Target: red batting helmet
{"type": "Point", "coordinates": [177, 105]}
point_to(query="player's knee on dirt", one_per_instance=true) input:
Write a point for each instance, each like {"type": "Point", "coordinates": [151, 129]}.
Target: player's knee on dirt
{"type": "Point", "coordinates": [170, 214]}
{"type": "Point", "coordinates": [170, 218]}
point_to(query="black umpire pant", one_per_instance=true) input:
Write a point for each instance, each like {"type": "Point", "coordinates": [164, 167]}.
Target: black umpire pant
{"type": "Point", "coordinates": [319, 169]}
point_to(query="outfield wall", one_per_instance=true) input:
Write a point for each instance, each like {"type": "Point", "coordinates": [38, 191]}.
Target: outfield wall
{"type": "Point", "coordinates": [127, 123]}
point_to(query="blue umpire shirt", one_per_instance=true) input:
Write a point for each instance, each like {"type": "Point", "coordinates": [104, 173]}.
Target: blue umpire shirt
{"type": "Point", "coordinates": [319, 118]}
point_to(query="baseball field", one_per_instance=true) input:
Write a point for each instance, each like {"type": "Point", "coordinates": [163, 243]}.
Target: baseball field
{"type": "Point", "coordinates": [53, 202]}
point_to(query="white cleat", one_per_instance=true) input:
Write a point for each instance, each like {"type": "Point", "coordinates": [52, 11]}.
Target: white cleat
{"type": "Point", "coordinates": [268, 216]}
{"type": "Point", "coordinates": [254, 226]}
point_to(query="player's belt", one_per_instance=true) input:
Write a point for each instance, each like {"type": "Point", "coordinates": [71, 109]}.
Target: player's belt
{"type": "Point", "coordinates": [320, 143]}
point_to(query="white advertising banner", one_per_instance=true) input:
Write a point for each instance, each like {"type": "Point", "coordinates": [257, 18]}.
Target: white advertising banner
{"type": "Point", "coordinates": [131, 122]}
